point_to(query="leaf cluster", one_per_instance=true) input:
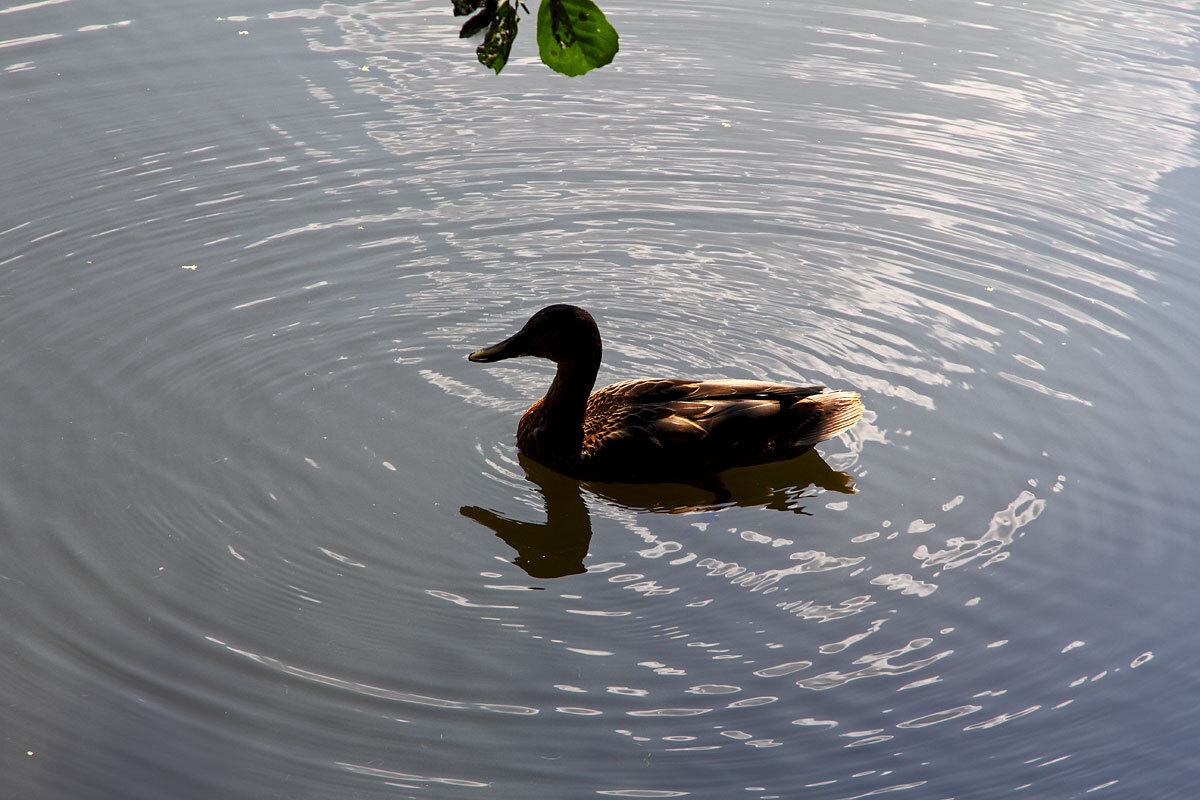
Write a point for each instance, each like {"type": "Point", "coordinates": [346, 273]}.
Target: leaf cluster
{"type": "Point", "coordinates": [574, 36]}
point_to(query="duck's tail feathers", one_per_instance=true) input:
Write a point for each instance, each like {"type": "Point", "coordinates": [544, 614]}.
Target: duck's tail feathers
{"type": "Point", "coordinates": [839, 411]}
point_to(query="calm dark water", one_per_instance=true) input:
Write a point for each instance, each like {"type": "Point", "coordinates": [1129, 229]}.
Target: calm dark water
{"type": "Point", "coordinates": [263, 529]}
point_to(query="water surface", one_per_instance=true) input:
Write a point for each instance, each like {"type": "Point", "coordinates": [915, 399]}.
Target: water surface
{"type": "Point", "coordinates": [264, 531]}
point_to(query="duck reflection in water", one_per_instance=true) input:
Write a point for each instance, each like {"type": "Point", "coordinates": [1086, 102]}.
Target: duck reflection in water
{"type": "Point", "coordinates": [650, 431]}
{"type": "Point", "coordinates": [558, 546]}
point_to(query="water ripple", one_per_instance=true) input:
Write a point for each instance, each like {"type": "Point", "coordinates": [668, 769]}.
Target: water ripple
{"type": "Point", "coordinates": [235, 318]}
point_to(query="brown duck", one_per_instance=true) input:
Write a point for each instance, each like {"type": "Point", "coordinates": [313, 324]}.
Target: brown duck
{"type": "Point", "coordinates": [654, 430]}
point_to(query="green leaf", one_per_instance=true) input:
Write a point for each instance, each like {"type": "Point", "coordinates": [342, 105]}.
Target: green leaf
{"type": "Point", "coordinates": [498, 41]}
{"type": "Point", "coordinates": [574, 37]}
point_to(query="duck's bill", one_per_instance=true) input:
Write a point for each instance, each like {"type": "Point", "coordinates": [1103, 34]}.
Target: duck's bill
{"type": "Point", "coordinates": [511, 347]}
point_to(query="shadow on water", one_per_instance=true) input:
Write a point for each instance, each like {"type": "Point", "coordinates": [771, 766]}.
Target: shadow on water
{"type": "Point", "coordinates": [558, 546]}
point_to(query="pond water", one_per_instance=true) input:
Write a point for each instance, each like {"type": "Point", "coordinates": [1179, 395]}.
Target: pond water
{"type": "Point", "coordinates": [264, 531]}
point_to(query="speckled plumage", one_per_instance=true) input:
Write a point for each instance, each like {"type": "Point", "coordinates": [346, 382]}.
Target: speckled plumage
{"type": "Point", "coordinates": [658, 429]}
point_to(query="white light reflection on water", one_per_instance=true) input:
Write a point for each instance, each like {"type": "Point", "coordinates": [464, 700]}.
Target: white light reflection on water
{"type": "Point", "coordinates": [985, 181]}
{"type": "Point", "coordinates": [895, 662]}
{"type": "Point", "coordinates": [391, 695]}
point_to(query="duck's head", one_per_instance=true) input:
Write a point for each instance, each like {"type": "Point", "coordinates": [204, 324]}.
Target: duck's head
{"type": "Point", "coordinates": [561, 333]}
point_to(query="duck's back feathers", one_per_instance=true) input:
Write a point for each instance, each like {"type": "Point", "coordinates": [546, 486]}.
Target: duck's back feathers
{"type": "Point", "coordinates": [681, 428]}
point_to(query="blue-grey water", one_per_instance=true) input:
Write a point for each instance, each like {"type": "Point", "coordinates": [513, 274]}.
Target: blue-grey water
{"type": "Point", "coordinates": [263, 529]}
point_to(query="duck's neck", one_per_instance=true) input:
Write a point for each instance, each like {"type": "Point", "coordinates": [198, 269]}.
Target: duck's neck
{"type": "Point", "coordinates": [552, 431]}
{"type": "Point", "coordinates": [566, 399]}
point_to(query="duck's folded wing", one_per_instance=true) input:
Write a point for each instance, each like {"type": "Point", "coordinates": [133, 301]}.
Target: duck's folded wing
{"type": "Point", "coordinates": [715, 422]}
{"type": "Point", "coordinates": [665, 391]}
{"type": "Point", "coordinates": [765, 415]}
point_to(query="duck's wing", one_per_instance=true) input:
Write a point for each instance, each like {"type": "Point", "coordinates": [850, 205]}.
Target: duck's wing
{"type": "Point", "coordinates": [650, 390]}
{"type": "Point", "coordinates": [710, 425]}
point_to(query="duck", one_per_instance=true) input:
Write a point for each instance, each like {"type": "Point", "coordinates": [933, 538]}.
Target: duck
{"type": "Point", "coordinates": [657, 430]}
